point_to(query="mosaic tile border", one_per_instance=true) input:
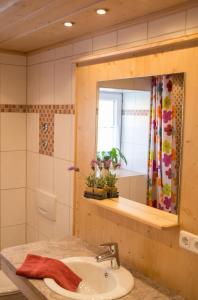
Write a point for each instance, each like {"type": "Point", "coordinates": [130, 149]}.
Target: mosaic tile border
{"type": "Point", "coordinates": [136, 112]}
{"type": "Point", "coordinates": [55, 109]}
{"type": "Point", "coordinates": [44, 108]}
{"type": "Point", "coordinates": [13, 108]}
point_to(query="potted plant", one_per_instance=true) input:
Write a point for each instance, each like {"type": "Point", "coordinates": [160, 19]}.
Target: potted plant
{"type": "Point", "coordinates": [114, 155]}
{"type": "Point", "coordinates": [101, 183]}
{"type": "Point", "coordinates": [111, 188]}
{"type": "Point", "coordinates": [99, 190]}
{"type": "Point", "coordinates": [90, 184]}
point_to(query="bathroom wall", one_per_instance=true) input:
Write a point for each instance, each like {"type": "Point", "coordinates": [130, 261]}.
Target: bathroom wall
{"type": "Point", "coordinates": [135, 130]}
{"type": "Point", "coordinates": [133, 187]}
{"type": "Point", "coordinates": [49, 100]}
{"type": "Point", "coordinates": [12, 149]}
{"type": "Point", "coordinates": [155, 253]}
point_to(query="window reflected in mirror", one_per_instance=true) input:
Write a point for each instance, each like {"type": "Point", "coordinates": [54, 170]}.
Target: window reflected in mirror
{"type": "Point", "coordinates": [143, 119]}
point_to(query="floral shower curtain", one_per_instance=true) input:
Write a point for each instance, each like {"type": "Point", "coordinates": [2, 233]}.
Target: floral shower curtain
{"type": "Point", "coordinates": [162, 174]}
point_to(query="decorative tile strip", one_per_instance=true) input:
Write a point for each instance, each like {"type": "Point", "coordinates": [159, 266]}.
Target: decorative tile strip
{"type": "Point", "coordinates": [136, 112]}
{"type": "Point", "coordinates": [13, 108]}
{"type": "Point", "coordinates": [46, 133]}
{"type": "Point", "coordinates": [55, 109]}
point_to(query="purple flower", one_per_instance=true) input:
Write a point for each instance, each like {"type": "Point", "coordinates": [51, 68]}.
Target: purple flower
{"type": "Point", "coordinates": [94, 163]}
{"type": "Point", "coordinates": [167, 159]}
{"type": "Point", "coordinates": [167, 202]}
{"type": "Point", "coordinates": [107, 164]}
{"type": "Point", "coordinates": [167, 116]}
{"type": "Point", "coordinates": [168, 129]}
{"type": "Point", "coordinates": [73, 168]}
{"type": "Point", "coordinates": [169, 173]}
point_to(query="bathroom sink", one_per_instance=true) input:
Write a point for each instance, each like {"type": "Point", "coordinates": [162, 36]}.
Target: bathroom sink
{"type": "Point", "coordinates": [99, 281]}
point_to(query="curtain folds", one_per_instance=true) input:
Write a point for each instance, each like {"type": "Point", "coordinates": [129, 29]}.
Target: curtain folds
{"type": "Point", "coordinates": [162, 173]}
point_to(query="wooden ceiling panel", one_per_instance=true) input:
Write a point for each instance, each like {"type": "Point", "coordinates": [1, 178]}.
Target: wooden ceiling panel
{"type": "Point", "coordinates": [27, 25]}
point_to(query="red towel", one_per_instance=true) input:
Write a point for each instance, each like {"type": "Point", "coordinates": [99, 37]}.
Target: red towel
{"type": "Point", "coordinates": [39, 267]}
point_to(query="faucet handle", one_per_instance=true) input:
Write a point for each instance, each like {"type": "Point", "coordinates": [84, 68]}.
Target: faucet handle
{"type": "Point", "coordinates": [110, 245]}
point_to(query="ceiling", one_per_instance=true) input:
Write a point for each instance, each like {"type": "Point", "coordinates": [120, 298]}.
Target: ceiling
{"type": "Point", "coordinates": [27, 25]}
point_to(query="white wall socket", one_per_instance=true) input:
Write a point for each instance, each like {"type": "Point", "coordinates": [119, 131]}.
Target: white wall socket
{"type": "Point", "coordinates": [188, 241]}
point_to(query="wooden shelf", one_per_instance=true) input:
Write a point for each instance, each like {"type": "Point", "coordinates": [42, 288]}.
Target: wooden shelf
{"type": "Point", "coordinates": [138, 212]}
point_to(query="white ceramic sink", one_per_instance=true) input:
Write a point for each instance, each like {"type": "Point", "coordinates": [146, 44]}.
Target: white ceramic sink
{"type": "Point", "coordinates": [99, 281]}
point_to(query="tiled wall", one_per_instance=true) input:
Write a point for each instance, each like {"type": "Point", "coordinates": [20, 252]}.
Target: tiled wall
{"type": "Point", "coordinates": [50, 101]}
{"type": "Point", "coordinates": [135, 130]}
{"type": "Point", "coordinates": [12, 149]}
{"type": "Point", "coordinates": [133, 187]}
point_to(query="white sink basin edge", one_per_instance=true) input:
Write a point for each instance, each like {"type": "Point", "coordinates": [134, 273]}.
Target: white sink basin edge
{"type": "Point", "coordinates": [99, 281]}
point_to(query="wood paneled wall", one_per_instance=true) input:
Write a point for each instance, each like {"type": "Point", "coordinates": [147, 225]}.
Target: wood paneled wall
{"type": "Point", "coordinates": [155, 253]}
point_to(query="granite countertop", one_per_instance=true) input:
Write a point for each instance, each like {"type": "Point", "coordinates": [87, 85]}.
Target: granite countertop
{"type": "Point", "coordinates": [12, 258]}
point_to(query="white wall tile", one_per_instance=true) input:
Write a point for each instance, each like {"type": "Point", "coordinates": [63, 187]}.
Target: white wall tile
{"type": "Point", "coordinates": [192, 18]}
{"type": "Point", "coordinates": [64, 51]}
{"type": "Point", "coordinates": [12, 236]}
{"type": "Point", "coordinates": [33, 132]}
{"type": "Point", "coordinates": [12, 207]}
{"type": "Point", "coordinates": [140, 189]}
{"type": "Point", "coordinates": [32, 59]}
{"type": "Point", "coordinates": [32, 170]}
{"type": "Point", "coordinates": [32, 234]}
{"type": "Point", "coordinates": [32, 215]}
{"type": "Point", "coordinates": [132, 34]}
{"type": "Point", "coordinates": [71, 220]}
{"type": "Point", "coordinates": [62, 225]}
{"type": "Point", "coordinates": [13, 131]}
{"type": "Point", "coordinates": [46, 227]}
{"type": "Point", "coordinates": [13, 84]}
{"type": "Point", "coordinates": [11, 163]}
{"type": "Point", "coordinates": [46, 173]}
{"type": "Point", "coordinates": [63, 182]}
{"type": "Point", "coordinates": [12, 59]}
{"type": "Point", "coordinates": [123, 185]}
{"type": "Point", "coordinates": [105, 41]}
{"type": "Point", "coordinates": [64, 137]}
{"type": "Point", "coordinates": [41, 57]}
{"type": "Point", "coordinates": [42, 237]}
{"type": "Point", "coordinates": [84, 46]}
{"type": "Point", "coordinates": [63, 82]}
{"type": "Point", "coordinates": [33, 85]}
{"type": "Point", "coordinates": [47, 83]}
{"type": "Point", "coordinates": [166, 25]}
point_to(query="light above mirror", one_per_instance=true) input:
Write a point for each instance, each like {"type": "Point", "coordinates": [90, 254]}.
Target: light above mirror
{"type": "Point", "coordinates": [143, 118]}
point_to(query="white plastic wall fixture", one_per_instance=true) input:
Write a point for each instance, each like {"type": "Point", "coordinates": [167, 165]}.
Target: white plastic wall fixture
{"type": "Point", "coordinates": [46, 204]}
{"type": "Point", "coordinates": [188, 241]}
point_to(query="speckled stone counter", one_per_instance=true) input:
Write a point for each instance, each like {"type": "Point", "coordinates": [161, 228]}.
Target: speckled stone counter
{"type": "Point", "coordinates": [12, 258]}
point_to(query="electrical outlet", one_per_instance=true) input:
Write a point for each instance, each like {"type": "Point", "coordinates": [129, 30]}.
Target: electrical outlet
{"type": "Point", "coordinates": [195, 245]}
{"type": "Point", "coordinates": [188, 241]}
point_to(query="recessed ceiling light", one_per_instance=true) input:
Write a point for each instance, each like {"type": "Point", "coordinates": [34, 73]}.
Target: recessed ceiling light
{"type": "Point", "coordinates": [68, 24]}
{"type": "Point", "coordinates": [101, 11]}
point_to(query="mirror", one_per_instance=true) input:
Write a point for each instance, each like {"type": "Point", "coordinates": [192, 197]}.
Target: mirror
{"type": "Point", "coordinates": [143, 118]}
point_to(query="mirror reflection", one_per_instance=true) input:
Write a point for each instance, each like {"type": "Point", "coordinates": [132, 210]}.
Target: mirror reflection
{"type": "Point", "coordinates": [142, 118]}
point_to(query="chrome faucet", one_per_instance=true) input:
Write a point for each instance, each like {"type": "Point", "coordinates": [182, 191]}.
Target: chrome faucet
{"type": "Point", "coordinates": [111, 254]}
